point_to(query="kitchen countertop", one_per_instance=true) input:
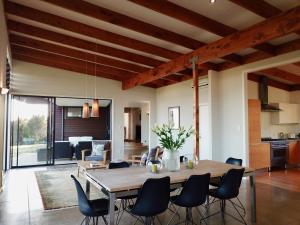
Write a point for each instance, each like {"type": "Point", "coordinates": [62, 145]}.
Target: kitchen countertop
{"type": "Point", "coordinates": [286, 139]}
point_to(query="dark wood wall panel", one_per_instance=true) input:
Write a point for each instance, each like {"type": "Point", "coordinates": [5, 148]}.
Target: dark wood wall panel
{"type": "Point", "coordinates": [99, 128]}
{"type": "Point", "coordinates": [59, 123]}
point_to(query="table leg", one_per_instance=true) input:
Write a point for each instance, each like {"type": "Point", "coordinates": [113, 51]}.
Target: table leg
{"type": "Point", "coordinates": [253, 198]}
{"type": "Point", "coordinates": [87, 189]}
{"type": "Point", "coordinates": [111, 210]}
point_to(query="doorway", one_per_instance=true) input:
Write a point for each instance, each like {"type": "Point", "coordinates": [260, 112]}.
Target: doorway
{"type": "Point", "coordinates": [32, 126]}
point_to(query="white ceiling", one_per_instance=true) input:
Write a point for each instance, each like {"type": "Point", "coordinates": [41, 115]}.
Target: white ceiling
{"type": "Point", "coordinates": [223, 11]}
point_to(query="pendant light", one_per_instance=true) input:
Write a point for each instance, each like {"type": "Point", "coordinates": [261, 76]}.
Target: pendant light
{"type": "Point", "coordinates": [86, 107]}
{"type": "Point", "coordinates": [95, 105]}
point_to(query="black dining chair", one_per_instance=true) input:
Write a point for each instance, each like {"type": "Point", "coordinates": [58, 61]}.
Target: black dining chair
{"type": "Point", "coordinates": [216, 181]}
{"type": "Point", "coordinates": [118, 165]}
{"type": "Point", "coordinates": [125, 200]}
{"type": "Point", "coordinates": [228, 190]}
{"type": "Point", "coordinates": [153, 199]}
{"type": "Point", "coordinates": [91, 209]}
{"type": "Point", "coordinates": [192, 195]}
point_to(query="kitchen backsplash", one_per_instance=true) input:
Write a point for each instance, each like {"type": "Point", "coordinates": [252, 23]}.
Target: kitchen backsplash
{"type": "Point", "coordinates": [270, 130]}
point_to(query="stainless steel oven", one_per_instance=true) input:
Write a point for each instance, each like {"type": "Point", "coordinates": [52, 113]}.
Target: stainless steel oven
{"type": "Point", "coordinates": [279, 153]}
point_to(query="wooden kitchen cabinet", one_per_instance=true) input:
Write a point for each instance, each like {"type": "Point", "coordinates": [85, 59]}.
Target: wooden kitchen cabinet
{"type": "Point", "coordinates": [259, 156]}
{"type": "Point", "coordinates": [294, 152]}
{"type": "Point", "coordinates": [254, 109]}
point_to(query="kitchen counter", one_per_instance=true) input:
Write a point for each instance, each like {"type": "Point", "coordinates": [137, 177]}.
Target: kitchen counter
{"type": "Point", "coordinates": [286, 139]}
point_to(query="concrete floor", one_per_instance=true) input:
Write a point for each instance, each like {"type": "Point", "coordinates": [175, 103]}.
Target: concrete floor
{"type": "Point", "coordinates": [20, 204]}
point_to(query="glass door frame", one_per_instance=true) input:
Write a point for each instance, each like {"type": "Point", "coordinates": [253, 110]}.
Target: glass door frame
{"type": "Point", "coordinates": [10, 149]}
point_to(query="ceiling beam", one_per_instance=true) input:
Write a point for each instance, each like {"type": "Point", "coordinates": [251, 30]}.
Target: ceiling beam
{"type": "Point", "coordinates": [271, 28]}
{"type": "Point", "coordinates": [83, 29]}
{"type": "Point", "coordinates": [74, 53]}
{"type": "Point", "coordinates": [295, 87]}
{"type": "Point", "coordinates": [80, 43]}
{"type": "Point", "coordinates": [259, 7]}
{"type": "Point", "coordinates": [90, 67]}
{"type": "Point", "coordinates": [275, 72]}
{"type": "Point", "coordinates": [175, 11]}
{"type": "Point", "coordinates": [121, 20]}
{"type": "Point", "coordinates": [118, 19]}
{"type": "Point", "coordinates": [273, 83]}
{"type": "Point", "coordinates": [256, 56]}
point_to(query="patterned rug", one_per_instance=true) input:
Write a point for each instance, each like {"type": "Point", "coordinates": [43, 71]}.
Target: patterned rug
{"type": "Point", "coordinates": [58, 190]}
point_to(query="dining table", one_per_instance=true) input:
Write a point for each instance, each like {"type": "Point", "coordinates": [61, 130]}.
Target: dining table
{"type": "Point", "coordinates": [127, 181]}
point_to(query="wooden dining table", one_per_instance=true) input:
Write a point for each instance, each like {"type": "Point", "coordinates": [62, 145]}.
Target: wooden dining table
{"type": "Point", "coordinates": [127, 181]}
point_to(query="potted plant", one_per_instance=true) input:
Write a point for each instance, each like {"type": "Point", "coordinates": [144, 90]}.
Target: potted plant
{"type": "Point", "coordinates": [172, 140]}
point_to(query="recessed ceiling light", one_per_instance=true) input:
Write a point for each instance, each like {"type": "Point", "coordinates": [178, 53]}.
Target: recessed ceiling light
{"type": "Point", "coordinates": [212, 1]}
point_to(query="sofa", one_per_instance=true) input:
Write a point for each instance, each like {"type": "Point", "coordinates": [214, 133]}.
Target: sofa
{"type": "Point", "coordinates": [63, 150]}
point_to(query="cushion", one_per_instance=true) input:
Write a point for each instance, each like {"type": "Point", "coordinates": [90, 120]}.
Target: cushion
{"type": "Point", "coordinates": [152, 153]}
{"type": "Point", "coordinates": [97, 148]}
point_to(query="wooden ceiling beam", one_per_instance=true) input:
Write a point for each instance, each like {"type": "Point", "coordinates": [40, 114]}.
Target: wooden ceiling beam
{"type": "Point", "coordinates": [80, 43]}
{"type": "Point", "coordinates": [269, 29]}
{"type": "Point", "coordinates": [259, 7]}
{"type": "Point", "coordinates": [273, 83]}
{"type": "Point", "coordinates": [295, 87]}
{"type": "Point", "coordinates": [118, 19]}
{"type": "Point", "coordinates": [74, 53]}
{"type": "Point", "coordinates": [71, 61]}
{"type": "Point", "coordinates": [275, 72]}
{"type": "Point", "coordinates": [121, 20]}
{"type": "Point", "coordinates": [83, 29]}
{"type": "Point", "coordinates": [256, 56]}
{"type": "Point", "coordinates": [175, 11]}
{"type": "Point", "coordinates": [90, 46]}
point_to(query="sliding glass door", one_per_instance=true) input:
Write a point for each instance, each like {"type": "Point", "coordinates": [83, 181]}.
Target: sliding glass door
{"type": "Point", "coordinates": [32, 126]}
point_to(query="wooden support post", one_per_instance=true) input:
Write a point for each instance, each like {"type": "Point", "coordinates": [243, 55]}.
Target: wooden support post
{"type": "Point", "coordinates": [196, 105]}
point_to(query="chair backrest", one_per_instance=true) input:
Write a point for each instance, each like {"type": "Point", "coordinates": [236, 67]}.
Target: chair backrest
{"type": "Point", "coordinates": [153, 197]}
{"type": "Point", "coordinates": [194, 191]}
{"type": "Point", "coordinates": [230, 183]}
{"type": "Point", "coordinates": [234, 161]}
{"type": "Point", "coordinates": [83, 202]}
{"type": "Point", "coordinates": [117, 165]}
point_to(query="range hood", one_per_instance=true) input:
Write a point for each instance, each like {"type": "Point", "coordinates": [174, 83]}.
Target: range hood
{"type": "Point", "coordinates": [263, 96]}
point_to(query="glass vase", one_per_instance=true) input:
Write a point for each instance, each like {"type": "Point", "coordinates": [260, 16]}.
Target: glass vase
{"type": "Point", "coordinates": [171, 160]}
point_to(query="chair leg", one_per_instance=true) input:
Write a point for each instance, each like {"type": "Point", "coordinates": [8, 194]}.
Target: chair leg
{"type": "Point", "coordinates": [104, 220]}
{"type": "Point", "coordinates": [148, 221]}
{"type": "Point", "coordinates": [243, 220]}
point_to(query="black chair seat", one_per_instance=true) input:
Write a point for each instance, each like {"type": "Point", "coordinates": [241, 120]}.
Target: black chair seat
{"type": "Point", "coordinates": [99, 207]}
{"type": "Point", "coordinates": [153, 198]}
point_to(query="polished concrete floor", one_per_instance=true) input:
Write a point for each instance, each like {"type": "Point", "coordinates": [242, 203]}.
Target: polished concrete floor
{"type": "Point", "coordinates": [20, 202]}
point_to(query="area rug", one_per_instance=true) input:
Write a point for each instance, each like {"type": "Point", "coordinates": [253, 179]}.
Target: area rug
{"type": "Point", "coordinates": [58, 190]}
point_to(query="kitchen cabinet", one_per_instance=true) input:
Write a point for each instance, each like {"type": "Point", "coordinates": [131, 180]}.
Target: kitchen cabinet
{"type": "Point", "coordinates": [289, 113]}
{"type": "Point", "coordinates": [254, 108]}
{"type": "Point", "coordinates": [294, 152]}
{"type": "Point", "coordinates": [259, 155]}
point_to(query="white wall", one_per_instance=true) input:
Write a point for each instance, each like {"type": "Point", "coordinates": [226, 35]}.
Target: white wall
{"type": "Point", "coordinates": [32, 79]}
{"type": "Point", "coordinates": [145, 124]}
{"type": "Point", "coordinates": [228, 115]}
{"type": "Point", "coordinates": [3, 55]}
{"type": "Point", "coordinates": [275, 95]}
{"type": "Point", "coordinates": [181, 95]}
{"type": "Point", "coordinates": [230, 109]}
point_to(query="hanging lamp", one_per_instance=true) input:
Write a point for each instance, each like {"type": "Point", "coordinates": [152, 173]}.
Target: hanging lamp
{"type": "Point", "coordinates": [86, 106]}
{"type": "Point", "coordinates": [95, 105]}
